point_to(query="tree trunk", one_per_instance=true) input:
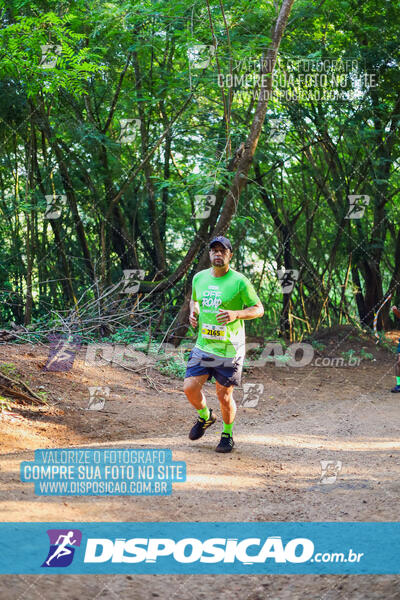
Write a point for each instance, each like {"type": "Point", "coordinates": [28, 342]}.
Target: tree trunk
{"type": "Point", "coordinates": [244, 157]}
{"type": "Point", "coordinates": [151, 201]}
{"type": "Point", "coordinates": [44, 125]}
{"type": "Point", "coordinates": [29, 231]}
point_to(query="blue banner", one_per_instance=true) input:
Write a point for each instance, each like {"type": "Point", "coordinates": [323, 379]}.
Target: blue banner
{"type": "Point", "coordinates": [103, 472]}
{"type": "Point", "coordinates": [192, 548]}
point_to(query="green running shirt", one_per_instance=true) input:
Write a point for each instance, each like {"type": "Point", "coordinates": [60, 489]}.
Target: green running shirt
{"type": "Point", "coordinates": [232, 291]}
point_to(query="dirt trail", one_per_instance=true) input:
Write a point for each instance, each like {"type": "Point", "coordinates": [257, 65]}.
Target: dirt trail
{"type": "Point", "coordinates": [304, 415]}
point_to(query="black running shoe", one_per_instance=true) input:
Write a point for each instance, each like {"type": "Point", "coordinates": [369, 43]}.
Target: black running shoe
{"type": "Point", "coordinates": [396, 389]}
{"type": "Point", "coordinates": [199, 428]}
{"type": "Point", "coordinates": [226, 443]}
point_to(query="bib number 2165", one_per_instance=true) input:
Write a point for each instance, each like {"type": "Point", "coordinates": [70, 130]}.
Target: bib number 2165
{"type": "Point", "coordinates": [213, 332]}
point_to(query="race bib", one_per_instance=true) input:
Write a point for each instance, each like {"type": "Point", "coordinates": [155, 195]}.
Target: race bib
{"type": "Point", "coordinates": [213, 332]}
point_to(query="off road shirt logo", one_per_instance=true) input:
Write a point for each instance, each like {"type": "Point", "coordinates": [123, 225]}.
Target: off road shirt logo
{"type": "Point", "coordinates": [211, 299]}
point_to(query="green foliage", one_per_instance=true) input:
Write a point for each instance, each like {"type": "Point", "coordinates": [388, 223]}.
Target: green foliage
{"type": "Point", "coordinates": [9, 369]}
{"type": "Point", "coordinates": [46, 55]}
{"type": "Point", "coordinates": [366, 355]}
{"type": "Point", "coordinates": [127, 335]}
{"type": "Point", "coordinates": [4, 404]}
{"type": "Point", "coordinates": [129, 60]}
{"type": "Point", "coordinates": [319, 346]}
{"type": "Point", "coordinates": [385, 343]}
{"type": "Point", "coordinates": [174, 366]}
{"type": "Point", "coordinates": [351, 354]}
{"type": "Point", "coordinates": [43, 395]}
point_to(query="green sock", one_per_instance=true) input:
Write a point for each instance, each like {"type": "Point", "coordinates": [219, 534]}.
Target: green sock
{"type": "Point", "coordinates": [204, 413]}
{"type": "Point", "coordinates": [398, 380]}
{"type": "Point", "coordinates": [228, 428]}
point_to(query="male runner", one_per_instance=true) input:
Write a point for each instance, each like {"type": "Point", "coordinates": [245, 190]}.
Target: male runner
{"type": "Point", "coordinates": [219, 295]}
{"type": "Point", "coordinates": [396, 388]}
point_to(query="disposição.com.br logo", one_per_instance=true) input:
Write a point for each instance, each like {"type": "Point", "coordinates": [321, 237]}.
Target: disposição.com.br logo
{"type": "Point", "coordinates": [62, 547]}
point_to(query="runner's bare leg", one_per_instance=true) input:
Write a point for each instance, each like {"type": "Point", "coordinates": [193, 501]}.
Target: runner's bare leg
{"type": "Point", "coordinates": [192, 387]}
{"type": "Point", "coordinates": [226, 402]}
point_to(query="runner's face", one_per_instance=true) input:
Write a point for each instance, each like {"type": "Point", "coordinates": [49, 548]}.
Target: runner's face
{"type": "Point", "coordinates": [219, 255]}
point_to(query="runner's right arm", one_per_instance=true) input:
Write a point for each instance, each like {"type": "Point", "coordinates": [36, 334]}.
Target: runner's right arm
{"type": "Point", "coordinates": [194, 305]}
{"type": "Point", "coordinates": [396, 311]}
{"type": "Point", "coordinates": [194, 310]}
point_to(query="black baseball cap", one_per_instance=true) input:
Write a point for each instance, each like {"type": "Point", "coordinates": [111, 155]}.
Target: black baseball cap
{"type": "Point", "coordinates": [222, 240]}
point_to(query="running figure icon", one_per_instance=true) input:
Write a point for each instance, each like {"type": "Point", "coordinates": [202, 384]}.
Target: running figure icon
{"type": "Point", "coordinates": [62, 549]}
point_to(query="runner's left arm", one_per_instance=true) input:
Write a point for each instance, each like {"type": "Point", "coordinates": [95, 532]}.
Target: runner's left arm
{"type": "Point", "coordinates": [250, 298]}
{"type": "Point", "coordinates": [251, 312]}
